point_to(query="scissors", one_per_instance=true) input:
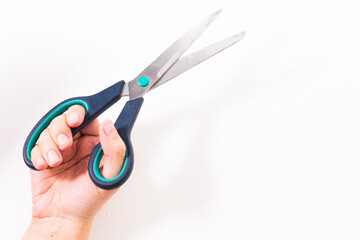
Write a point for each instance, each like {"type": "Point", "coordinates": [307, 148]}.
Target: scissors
{"type": "Point", "coordinates": [167, 66]}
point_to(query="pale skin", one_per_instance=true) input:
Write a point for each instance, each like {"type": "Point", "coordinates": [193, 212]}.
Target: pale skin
{"type": "Point", "coordinates": [64, 198]}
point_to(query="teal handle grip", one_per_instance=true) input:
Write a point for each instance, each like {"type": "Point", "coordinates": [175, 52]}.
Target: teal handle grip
{"type": "Point", "coordinates": [94, 105]}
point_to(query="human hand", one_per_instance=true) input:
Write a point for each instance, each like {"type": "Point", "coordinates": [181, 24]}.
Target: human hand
{"type": "Point", "coordinates": [64, 198]}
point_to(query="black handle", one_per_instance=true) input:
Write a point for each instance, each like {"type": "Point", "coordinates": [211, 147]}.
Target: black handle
{"type": "Point", "coordinates": [124, 125]}
{"type": "Point", "coordinates": [94, 105]}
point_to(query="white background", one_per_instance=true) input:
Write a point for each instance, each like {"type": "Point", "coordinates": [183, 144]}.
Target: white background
{"type": "Point", "coordinates": [260, 142]}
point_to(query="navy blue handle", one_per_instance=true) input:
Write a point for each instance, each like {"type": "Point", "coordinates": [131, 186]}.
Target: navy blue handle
{"type": "Point", "coordinates": [124, 125]}
{"type": "Point", "coordinates": [94, 105]}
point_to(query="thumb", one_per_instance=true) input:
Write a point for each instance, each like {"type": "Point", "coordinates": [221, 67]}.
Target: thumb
{"type": "Point", "coordinates": [113, 148]}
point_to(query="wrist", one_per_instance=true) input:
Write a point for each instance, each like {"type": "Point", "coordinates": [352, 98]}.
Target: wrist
{"type": "Point", "coordinates": [58, 228]}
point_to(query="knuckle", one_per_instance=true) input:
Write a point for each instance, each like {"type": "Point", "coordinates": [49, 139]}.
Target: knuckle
{"type": "Point", "coordinates": [43, 136]}
{"type": "Point", "coordinates": [56, 122]}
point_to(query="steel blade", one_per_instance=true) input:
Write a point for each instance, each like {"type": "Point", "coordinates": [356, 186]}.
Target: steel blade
{"type": "Point", "coordinates": [191, 60]}
{"type": "Point", "coordinates": [158, 67]}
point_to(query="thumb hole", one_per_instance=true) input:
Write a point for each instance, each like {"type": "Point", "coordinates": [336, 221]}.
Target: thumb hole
{"type": "Point", "coordinates": [113, 148]}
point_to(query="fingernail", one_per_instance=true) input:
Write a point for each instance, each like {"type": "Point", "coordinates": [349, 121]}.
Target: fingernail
{"type": "Point", "coordinates": [40, 163]}
{"type": "Point", "coordinates": [53, 157]}
{"type": "Point", "coordinates": [63, 140]}
{"type": "Point", "coordinates": [72, 118]}
{"type": "Point", "coordinates": [110, 129]}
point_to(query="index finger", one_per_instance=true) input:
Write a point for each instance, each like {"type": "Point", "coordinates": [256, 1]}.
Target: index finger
{"type": "Point", "coordinates": [75, 116]}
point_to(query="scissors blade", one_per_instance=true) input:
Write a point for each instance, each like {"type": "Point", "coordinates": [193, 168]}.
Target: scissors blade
{"type": "Point", "coordinates": [158, 67]}
{"type": "Point", "coordinates": [189, 61]}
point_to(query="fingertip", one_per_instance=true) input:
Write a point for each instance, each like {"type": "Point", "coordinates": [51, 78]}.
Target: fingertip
{"type": "Point", "coordinates": [75, 116]}
{"type": "Point", "coordinates": [53, 158]}
{"type": "Point", "coordinates": [64, 142]}
{"type": "Point", "coordinates": [37, 159]}
{"type": "Point", "coordinates": [73, 119]}
{"type": "Point", "coordinates": [108, 128]}
{"type": "Point", "coordinates": [40, 163]}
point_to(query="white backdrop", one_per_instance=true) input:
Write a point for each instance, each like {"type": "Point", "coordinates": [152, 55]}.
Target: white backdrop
{"type": "Point", "coordinates": [259, 142]}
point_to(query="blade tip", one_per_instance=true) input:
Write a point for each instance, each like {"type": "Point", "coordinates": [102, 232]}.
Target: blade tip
{"type": "Point", "coordinates": [219, 10]}
{"type": "Point", "coordinates": [241, 35]}
{"type": "Point", "coordinates": [216, 13]}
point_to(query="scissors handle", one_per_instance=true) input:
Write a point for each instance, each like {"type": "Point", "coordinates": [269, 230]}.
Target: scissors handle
{"type": "Point", "coordinates": [124, 125]}
{"type": "Point", "coordinates": [94, 105]}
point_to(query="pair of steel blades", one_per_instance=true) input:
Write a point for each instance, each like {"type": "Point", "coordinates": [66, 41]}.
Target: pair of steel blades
{"type": "Point", "coordinates": [169, 64]}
